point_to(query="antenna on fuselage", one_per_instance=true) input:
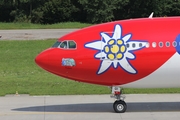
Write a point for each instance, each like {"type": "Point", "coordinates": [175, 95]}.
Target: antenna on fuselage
{"type": "Point", "coordinates": [151, 15]}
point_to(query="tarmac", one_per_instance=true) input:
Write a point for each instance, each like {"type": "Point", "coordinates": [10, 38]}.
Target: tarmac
{"type": "Point", "coordinates": [33, 34]}
{"type": "Point", "coordinates": [89, 107]}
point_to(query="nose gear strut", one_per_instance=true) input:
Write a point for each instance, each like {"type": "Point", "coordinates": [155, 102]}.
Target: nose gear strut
{"type": "Point", "coordinates": [119, 105]}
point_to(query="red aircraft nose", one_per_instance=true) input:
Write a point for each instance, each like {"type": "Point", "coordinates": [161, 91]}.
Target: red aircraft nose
{"type": "Point", "coordinates": [43, 59]}
{"type": "Point", "coordinates": [50, 60]}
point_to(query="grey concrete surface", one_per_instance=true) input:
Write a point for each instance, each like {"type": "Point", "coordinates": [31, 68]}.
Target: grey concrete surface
{"type": "Point", "coordinates": [33, 34]}
{"type": "Point", "coordinates": [89, 107]}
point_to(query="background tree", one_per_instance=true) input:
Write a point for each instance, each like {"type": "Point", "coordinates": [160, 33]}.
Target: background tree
{"type": "Point", "coordinates": [6, 6]}
{"type": "Point", "coordinates": [98, 11]}
{"type": "Point", "coordinates": [171, 8]}
{"type": "Point", "coordinates": [58, 11]}
{"type": "Point", "coordinates": [91, 11]}
{"type": "Point", "coordinates": [27, 10]}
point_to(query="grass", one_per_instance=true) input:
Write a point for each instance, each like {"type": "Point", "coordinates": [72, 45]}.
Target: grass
{"type": "Point", "coordinates": [65, 25]}
{"type": "Point", "coordinates": [18, 72]}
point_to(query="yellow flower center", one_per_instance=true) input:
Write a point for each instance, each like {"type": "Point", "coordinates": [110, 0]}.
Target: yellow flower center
{"type": "Point", "coordinates": [111, 42]}
{"type": "Point", "coordinates": [123, 48]}
{"type": "Point", "coordinates": [115, 49]}
{"type": "Point", "coordinates": [119, 56]}
{"type": "Point", "coordinates": [106, 49]}
{"type": "Point", "coordinates": [120, 42]}
{"type": "Point", "coordinates": [111, 56]}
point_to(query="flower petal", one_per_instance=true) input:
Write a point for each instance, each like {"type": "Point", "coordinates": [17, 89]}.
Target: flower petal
{"type": "Point", "coordinates": [115, 63]}
{"type": "Point", "coordinates": [130, 55]}
{"type": "Point", "coordinates": [126, 38]}
{"type": "Point", "coordinates": [100, 55]}
{"type": "Point", "coordinates": [105, 64]}
{"type": "Point", "coordinates": [127, 66]}
{"type": "Point", "coordinates": [117, 32]}
{"type": "Point", "coordinates": [98, 45]}
{"type": "Point", "coordinates": [105, 37]}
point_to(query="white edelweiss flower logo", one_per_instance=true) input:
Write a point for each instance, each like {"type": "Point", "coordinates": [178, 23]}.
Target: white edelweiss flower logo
{"type": "Point", "coordinates": [116, 50]}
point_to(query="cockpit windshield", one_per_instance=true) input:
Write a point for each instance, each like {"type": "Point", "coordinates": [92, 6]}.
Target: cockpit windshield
{"type": "Point", "coordinates": [64, 44]}
{"type": "Point", "coordinates": [67, 44]}
{"type": "Point", "coordinates": [56, 44]}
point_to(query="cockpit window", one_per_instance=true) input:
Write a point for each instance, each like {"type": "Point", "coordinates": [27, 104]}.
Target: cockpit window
{"type": "Point", "coordinates": [67, 44]}
{"type": "Point", "coordinates": [64, 45]}
{"type": "Point", "coordinates": [72, 44]}
{"type": "Point", "coordinates": [56, 44]}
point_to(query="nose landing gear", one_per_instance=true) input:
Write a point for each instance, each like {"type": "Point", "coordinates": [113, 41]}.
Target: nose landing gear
{"type": "Point", "coordinates": [119, 105]}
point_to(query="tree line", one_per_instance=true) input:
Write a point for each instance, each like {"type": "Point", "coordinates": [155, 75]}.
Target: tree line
{"type": "Point", "coordinates": [87, 11]}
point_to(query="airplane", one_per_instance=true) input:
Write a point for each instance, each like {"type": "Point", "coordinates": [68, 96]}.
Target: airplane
{"type": "Point", "coordinates": [132, 53]}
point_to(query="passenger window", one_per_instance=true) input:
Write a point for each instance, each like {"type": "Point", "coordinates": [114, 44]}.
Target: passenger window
{"type": "Point", "coordinates": [140, 44]}
{"type": "Point", "coordinates": [167, 44]}
{"type": "Point", "coordinates": [133, 45]}
{"type": "Point", "coordinates": [160, 44]}
{"type": "Point", "coordinates": [147, 45]}
{"type": "Point", "coordinates": [64, 45]}
{"type": "Point", "coordinates": [154, 44]}
{"type": "Point", "coordinates": [174, 44]}
{"type": "Point", "coordinates": [127, 45]}
{"type": "Point", "coordinates": [72, 44]}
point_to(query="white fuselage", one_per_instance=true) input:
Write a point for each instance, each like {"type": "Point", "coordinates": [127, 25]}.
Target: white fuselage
{"type": "Point", "coordinates": [167, 76]}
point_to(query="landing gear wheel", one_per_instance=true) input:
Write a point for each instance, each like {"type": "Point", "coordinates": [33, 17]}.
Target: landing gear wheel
{"type": "Point", "coordinates": [119, 106]}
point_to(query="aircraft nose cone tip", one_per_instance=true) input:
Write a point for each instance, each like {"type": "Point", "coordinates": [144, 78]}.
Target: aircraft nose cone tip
{"type": "Point", "coordinates": [37, 59]}
{"type": "Point", "coordinates": [40, 59]}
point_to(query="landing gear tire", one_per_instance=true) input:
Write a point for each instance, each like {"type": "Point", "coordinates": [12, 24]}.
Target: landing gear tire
{"type": "Point", "coordinates": [119, 106]}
